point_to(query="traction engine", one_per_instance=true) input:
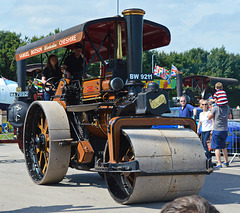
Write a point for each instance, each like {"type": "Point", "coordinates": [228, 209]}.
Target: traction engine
{"type": "Point", "coordinates": [104, 125]}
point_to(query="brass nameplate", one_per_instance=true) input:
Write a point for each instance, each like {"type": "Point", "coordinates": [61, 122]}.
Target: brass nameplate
{"type": "Point", "coordinates": [157, 101]}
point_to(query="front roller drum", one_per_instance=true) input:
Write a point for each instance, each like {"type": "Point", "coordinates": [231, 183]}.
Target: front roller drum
{"type": "Point", "coordinates": [172, 164]}
{"type": "Point", "coordinates": [46, 125]}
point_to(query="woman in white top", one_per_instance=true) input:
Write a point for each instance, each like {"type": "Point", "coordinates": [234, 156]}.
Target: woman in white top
{"type": "Point", "coordinates": [206, 127]}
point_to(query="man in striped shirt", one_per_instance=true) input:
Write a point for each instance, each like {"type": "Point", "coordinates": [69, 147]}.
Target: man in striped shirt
{"type": "Point", "coordinates": [220, 113]}
{"type": "Point", "coordinates": [220, 95]}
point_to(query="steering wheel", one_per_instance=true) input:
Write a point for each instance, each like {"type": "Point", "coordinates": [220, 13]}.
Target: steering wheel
{"type": "Point", "coordinates": [50, 85]}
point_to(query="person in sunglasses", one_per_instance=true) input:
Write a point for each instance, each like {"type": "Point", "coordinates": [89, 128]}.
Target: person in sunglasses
{"type": "Point", "coordinates": [206, 126]}
{"type": "Point", "coordinates": [186, 110]}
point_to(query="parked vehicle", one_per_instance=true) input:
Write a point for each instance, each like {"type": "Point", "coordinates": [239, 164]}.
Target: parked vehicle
{"type": "Point", "coordinates": [233, 139]}
{"type": "Point", "coordinates": [174, 113]}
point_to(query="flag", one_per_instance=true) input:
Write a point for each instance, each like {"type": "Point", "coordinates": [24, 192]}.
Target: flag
{"type": "Point", "coordinates": [165, 74]}
{"type": "Point", "coordinates": [174, 71]}
{"type": "Point", "coordinates": [37, 83]}
{"type": "Point", "coordinates": [162, 72]}
{"type": "Point", "coordinates": [168, 76]}
{"type": "Point", "coordinates": [173, 74]}
{"type": "Point", "coordinates": [156, 71]}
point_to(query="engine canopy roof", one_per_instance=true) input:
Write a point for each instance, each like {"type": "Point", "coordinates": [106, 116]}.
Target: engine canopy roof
{"type": "Point", "coordinates": [154, 36]}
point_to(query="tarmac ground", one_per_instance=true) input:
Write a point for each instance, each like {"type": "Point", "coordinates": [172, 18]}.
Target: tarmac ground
{"type": "Point", "coordinates": [82, 191]}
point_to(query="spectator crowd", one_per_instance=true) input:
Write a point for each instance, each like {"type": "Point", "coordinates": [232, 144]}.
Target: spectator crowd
{"type": "Point", "coordinates": [214, 122]}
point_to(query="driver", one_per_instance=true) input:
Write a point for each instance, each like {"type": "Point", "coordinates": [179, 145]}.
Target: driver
{"type": "Point", "coordinates": [51, 70]}
{"type": "Point", "coordinates": [73, 64]}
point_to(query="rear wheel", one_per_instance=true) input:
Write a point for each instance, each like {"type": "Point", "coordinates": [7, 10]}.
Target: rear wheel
{"type": "Point", "coordinates": [46, 124]}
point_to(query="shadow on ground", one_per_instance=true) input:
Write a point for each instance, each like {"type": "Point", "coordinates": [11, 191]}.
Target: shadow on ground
{"type": "Point", "coordinates": [221, 188]}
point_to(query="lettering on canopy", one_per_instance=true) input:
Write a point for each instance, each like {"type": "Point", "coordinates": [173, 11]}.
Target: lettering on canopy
{"type": "Point", "coordinates": [50, 46]}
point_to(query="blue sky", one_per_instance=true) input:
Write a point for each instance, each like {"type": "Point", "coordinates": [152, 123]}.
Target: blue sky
{"type": "Point", "coordinates": [204, 23]}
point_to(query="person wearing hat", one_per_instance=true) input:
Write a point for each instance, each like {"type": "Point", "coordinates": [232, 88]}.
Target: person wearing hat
{"type": "Point", "coordinates": [73, 64]}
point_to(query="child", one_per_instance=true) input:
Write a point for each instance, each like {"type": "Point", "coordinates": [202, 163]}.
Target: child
{"type": "Point", "coordinates": [220, 95]}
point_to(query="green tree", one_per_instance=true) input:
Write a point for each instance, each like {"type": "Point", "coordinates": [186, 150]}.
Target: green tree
{"type": "Point", "coordinates": [219, 63]}
{"type": "Point", "coordinates": [194, 62]}
{"type": "Point", "coordinates": [147, 62]}
{"type": "Point", "coordinates": [9, 42]}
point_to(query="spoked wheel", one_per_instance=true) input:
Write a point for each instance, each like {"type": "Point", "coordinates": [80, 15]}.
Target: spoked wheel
{"type": "Point", "coordinates": [46, 124]}
{"type": "Point", "coordinates": [172, 164]}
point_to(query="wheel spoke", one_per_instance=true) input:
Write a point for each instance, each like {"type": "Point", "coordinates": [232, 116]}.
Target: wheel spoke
{"type": "Point", "coordinates": [40, 157]}
{"type": "Point", "coordinates": [47, 143]}
{"type": "Point", "coordinates": [40, 124]}
{"type": "Point", "coordinates": [45, 128]}
{"type": "Point", "coordinates": [130, 179]}
{"type": "Point", "coordinates": [45, 165]}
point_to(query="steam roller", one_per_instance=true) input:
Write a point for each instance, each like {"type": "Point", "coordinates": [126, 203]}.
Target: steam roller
{"type": "Point", "coordinates": [139, 164]}
{"type": "Point", "coordinates": [113, 123]}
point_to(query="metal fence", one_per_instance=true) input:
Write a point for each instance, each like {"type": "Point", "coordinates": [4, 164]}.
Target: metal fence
{"type": "Point", "coordinates": [233, 139]}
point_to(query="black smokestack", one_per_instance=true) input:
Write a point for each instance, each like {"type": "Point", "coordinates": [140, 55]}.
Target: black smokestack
{"type": "Point", "coordinates": [179, 84]}
{"type": "Point", "coordinates": [21, 74]}
{"type": "Point", "coordinates": [134, 22]}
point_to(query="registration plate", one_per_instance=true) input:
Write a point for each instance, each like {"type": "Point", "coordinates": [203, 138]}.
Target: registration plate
{"type": "Point", "coordinates": [19, 94]}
